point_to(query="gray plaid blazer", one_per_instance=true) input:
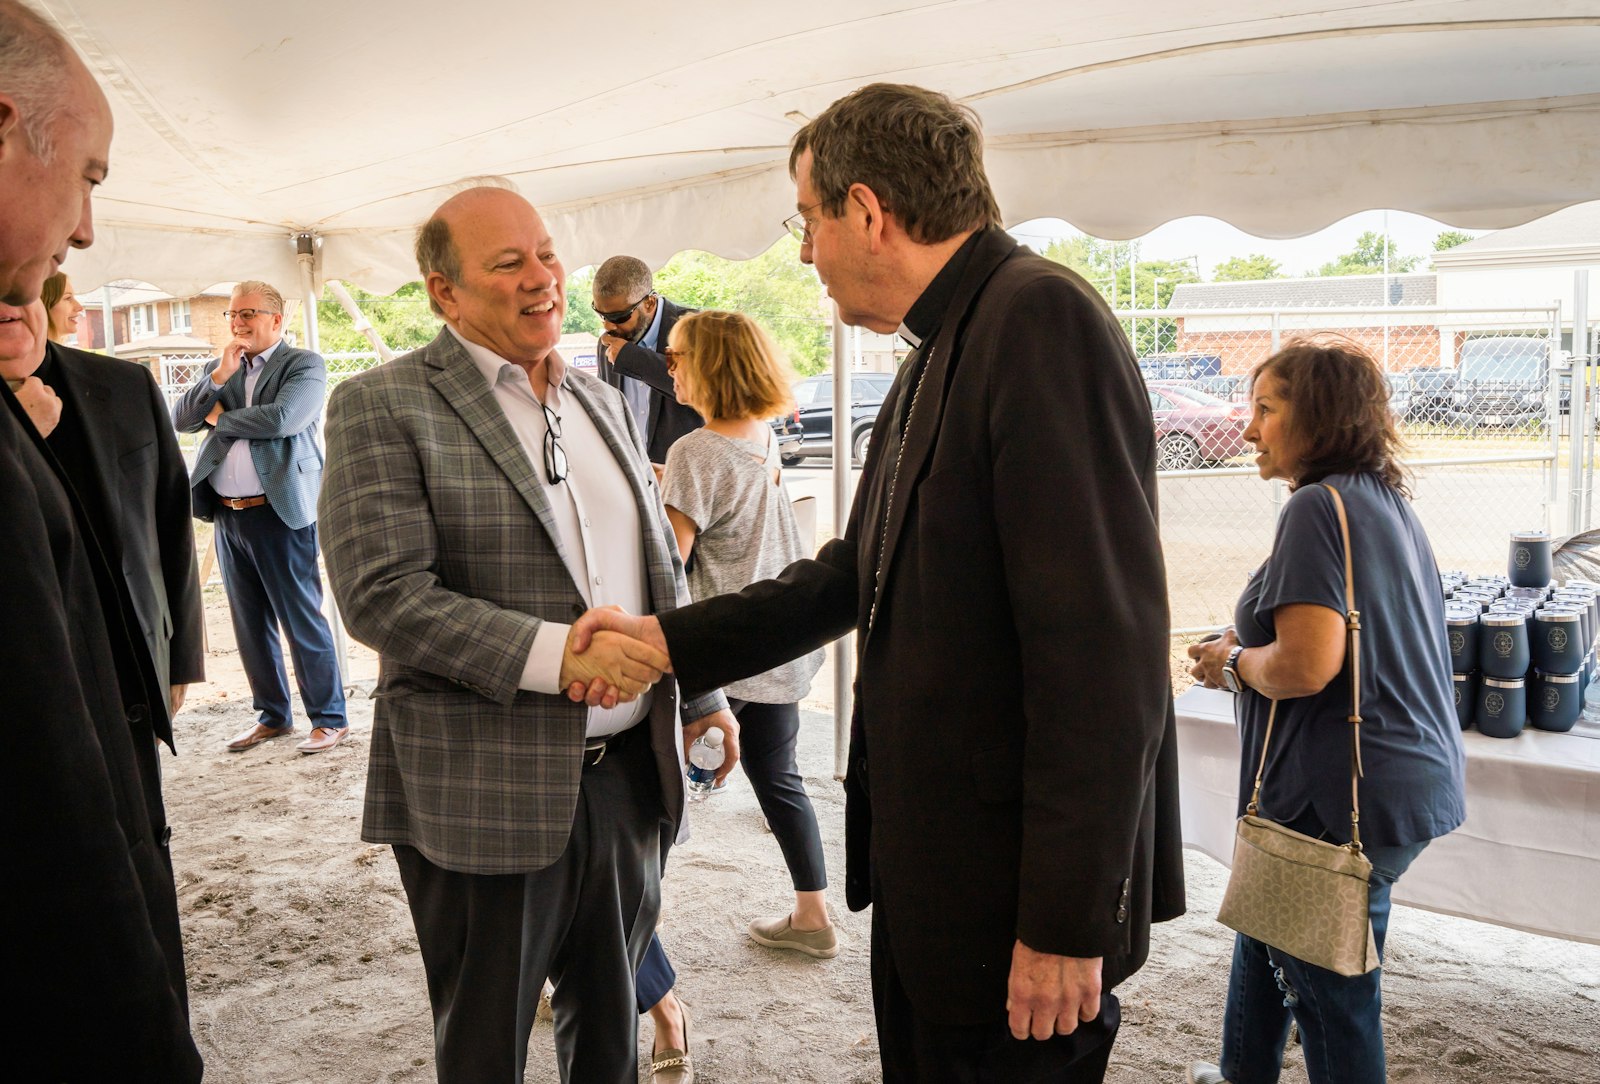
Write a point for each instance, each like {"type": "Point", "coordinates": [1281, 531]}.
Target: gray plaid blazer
{"type": "Point", "coordinates": [440, 547]}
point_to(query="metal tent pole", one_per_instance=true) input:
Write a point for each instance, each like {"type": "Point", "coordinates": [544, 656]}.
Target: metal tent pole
{"type": "Point", "coordinates": [844, 648]}
{"type": "Point", "coordinates": [306, 255]}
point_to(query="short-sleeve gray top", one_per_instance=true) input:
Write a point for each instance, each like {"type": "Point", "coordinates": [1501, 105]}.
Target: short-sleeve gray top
{"type": "Point", "coordinates": [746, 532]}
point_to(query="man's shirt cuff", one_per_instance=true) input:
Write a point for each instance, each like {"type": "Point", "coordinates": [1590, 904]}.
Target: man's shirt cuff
{"type": "Point", "coordinates": [542, 673]}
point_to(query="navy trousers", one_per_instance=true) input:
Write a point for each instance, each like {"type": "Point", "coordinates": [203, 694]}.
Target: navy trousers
{"type": "Point", "coordinates": [270, 572]}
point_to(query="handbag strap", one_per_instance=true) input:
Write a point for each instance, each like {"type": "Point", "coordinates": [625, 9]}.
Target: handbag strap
{"type": "Point", "coordinates": [1352, 626]}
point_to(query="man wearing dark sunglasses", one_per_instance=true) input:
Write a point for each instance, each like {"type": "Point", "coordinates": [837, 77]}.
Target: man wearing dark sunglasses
{"type": "Point", "coordinates": [637, 322]}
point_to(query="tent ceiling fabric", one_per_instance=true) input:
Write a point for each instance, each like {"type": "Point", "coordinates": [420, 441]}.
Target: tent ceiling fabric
{"type": "Point", "coordinates": [239, 127]}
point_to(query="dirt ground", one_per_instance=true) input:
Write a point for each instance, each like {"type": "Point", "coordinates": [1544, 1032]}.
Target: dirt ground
{"type": "Point", "coordinates": [303, 965]}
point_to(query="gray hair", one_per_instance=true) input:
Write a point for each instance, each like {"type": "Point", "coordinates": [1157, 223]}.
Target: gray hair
{"type": "Point", "coordinates": [623, 276]}
{"type": "Point", "coordinates": [265, 289]}
{"type": "Point", "coordinates": [35, 65]}
{"type": "Point", "coordinates": [436, 251]}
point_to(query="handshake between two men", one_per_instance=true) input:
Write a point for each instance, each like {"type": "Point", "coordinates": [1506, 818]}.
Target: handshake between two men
{"type": "Point", "coordinates": [612, 657]}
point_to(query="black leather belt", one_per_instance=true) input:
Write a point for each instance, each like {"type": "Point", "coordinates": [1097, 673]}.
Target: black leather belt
{"type": "Point", "coordinates": [595, 751]}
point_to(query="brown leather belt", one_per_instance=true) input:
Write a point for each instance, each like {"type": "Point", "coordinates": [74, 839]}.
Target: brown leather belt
{"type": "Point", "coordinates": [239, 504]}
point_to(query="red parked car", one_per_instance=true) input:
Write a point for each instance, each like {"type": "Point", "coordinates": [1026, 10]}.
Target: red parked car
{"type": "Point", "coordinates": [1194, 429]}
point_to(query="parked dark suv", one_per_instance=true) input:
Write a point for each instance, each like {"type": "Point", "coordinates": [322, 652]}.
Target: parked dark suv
{"type": "Point", "coordinates": [1432, 392]}
{"type": "Point", "coordinates": [1501, 380]}
{"type": "Point", "coordinates": [813, 399]}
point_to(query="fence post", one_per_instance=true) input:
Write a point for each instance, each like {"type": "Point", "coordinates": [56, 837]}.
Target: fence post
{"type": "Point", "coordinates": [844, 648]}
{"type": "Point", "coordinates": [1580, 365]}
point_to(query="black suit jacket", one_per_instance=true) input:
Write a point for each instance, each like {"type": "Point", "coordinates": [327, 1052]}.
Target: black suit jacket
{"type": "Point", "coordinates": [669, 419]}
{"type": "Point", "coordinates": [90, 898]}
{"type": "Point", "coordinates": [1013, 762]}
{"type": "Point", "coordinates": [142, 473]}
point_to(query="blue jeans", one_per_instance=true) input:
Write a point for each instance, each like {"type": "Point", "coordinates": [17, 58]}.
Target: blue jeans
{"type": "Point", "coordinates": [270, 572]}
{"type": "Point", "coordinates": [1340, 1017]}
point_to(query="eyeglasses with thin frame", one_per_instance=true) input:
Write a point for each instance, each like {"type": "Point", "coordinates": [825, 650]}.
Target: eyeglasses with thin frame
{"type": "Point", "coordinates": [621, 315]}
{"type": "Point", "coordinates": [673, 358]}
{"type": "Point", "coordinates": [246, 314]}
{"type": "Point", "coordinates": [797, 225]}
{"type": "Point", "coordinates": [555, 456]}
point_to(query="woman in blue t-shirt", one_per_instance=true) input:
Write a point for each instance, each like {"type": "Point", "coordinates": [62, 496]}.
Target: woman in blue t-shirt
{"type": "Point", "coordinates": [1321, 415]}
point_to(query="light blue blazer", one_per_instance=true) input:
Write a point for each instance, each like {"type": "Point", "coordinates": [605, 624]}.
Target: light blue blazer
{"type": "Point", "coordinates": [281, 427]}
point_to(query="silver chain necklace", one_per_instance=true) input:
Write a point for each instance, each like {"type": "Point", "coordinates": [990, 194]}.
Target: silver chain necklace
{"type": "Point", "coordinates": [894, 481]}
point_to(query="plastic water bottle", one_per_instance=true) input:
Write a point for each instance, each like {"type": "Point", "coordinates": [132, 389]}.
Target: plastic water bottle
{"type": "Point", "coordinates": [705, 757]}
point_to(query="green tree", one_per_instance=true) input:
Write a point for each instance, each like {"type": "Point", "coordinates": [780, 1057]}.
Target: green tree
{"type": "Point", "coordinates": [1367, 258]}
{"type": "Point", "coordinates": [774, 288]}
{"type": "Point", "coordinates": [1128, 284]}
{"type": "Point", "coordinates": [1450, 239]}
{"type": "Point", "coordinates": [402, 318]}
{"type": "Point", "coordinates": [580, 305]}
{"type": "Point", "coordinates": [1251, 268]}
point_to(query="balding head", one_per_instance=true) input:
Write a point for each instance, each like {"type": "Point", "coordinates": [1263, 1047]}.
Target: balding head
{"type": "Point", "coordinates": [55, 139]}
{"type": "Point", "coordinates": [491, 271]}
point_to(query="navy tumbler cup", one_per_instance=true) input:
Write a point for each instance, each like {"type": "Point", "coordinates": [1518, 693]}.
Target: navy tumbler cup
{"type": "Point", "coordinates": [1502, 707]}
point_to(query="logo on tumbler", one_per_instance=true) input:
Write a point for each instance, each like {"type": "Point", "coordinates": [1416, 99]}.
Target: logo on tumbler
{"type": "Point", "coordinates": [1494, 703]}
{"type": "Point", "coordinates": [1558, 638]}
{"type": "Point", "coordinates": [1552, 698]}
{"type": "Point", "coordinates": [1502, 644]}
{"type": "Point", "coordinates": [1521, 556]}
{"type": "Point", "coordinates": [1458, 642]}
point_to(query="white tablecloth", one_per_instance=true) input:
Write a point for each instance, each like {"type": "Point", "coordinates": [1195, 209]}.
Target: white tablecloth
{"type": "Point", "coordinates": [1527, 857]}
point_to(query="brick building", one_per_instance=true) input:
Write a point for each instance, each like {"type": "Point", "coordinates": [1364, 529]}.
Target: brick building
{"type": "Point", "coordinates": [1244, 338]}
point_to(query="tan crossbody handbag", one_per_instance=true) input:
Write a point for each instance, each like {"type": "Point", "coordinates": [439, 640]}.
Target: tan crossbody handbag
{"type": "Point", "coordinates": [1306, 896]}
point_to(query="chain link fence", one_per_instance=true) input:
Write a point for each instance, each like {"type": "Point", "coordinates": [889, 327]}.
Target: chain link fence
{"type": "Point", "coordinates": [1478, 395]}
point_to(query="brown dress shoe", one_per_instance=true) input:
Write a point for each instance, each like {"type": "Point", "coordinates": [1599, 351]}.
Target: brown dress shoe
{"type": "Point", "coordinates": [323, 738]}
{"type": "Point", "coordinates": [256, 735]}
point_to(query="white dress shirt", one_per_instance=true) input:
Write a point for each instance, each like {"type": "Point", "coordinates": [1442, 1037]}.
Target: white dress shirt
{"type": "Point", "coordinates": [237, 476]}
{"type": "Point", "coordinates": [595, 515]}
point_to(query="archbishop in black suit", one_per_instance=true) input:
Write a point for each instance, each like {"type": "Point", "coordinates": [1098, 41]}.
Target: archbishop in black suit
{"type": "Point", "coordinates": [94, 944]}
{"type": "Point", "coordinates": [1012, 791]}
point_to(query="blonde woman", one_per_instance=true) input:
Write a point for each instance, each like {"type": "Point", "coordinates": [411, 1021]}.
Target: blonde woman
{"type": "Point", "coordinates": [728, 508]}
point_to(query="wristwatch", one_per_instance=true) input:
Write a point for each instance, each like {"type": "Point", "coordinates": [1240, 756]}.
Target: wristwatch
{"type": "Point", "coordinates": [1230, 672]}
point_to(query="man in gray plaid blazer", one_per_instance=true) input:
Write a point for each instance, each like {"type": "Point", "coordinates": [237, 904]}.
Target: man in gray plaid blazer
{"type": "Point", "coordinates": [480, 497]}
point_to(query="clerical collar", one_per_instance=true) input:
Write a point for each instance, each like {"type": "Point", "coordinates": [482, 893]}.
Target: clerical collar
{"type": "Point", "coordinates": [925, 315]}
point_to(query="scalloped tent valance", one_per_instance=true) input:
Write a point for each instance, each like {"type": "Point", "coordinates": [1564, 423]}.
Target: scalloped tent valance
{"type": "Point", "coordinates": [240, 127]}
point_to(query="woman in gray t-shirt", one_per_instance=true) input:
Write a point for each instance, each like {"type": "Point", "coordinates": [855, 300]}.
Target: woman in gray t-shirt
{"type": "Point", "coordinates": [734, 526]}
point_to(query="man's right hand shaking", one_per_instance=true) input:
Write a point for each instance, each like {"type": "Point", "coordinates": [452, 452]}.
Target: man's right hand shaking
{"type": "Point", "coordinates": [605, 665]}
{"type": "Point", "coordinates": [597, 686]}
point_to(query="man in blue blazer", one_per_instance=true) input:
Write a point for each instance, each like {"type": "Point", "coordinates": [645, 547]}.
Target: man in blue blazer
{"type": "Point", "coordinates": [256, 478]}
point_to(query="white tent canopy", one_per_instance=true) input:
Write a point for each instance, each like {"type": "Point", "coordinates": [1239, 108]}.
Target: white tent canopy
{"type": "Point", "coordinates": [648, 130]}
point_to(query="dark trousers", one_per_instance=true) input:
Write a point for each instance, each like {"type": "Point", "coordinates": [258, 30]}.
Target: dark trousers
{"type": "Point", "coordinates": [914, 1049]}
{"type": "Point", "coordinates": [656, 977]}
{"type": "Point", "coordinates": [488, 941]}
{"type": "Point", "coordinates": [270, 572]}
{"type": "Point", "coordinates": [767, 737]}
